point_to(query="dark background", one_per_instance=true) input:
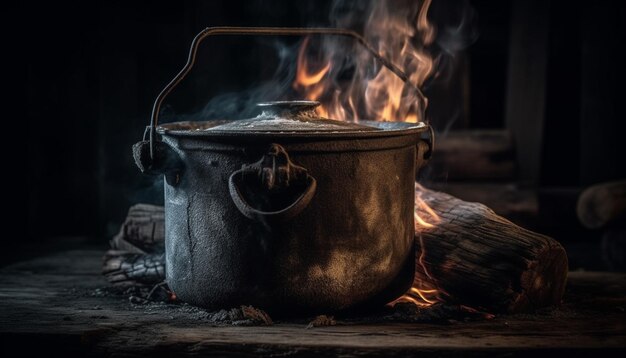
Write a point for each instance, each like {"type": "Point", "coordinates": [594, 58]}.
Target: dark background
{"type": "Point", "coordinates": [89, 72]}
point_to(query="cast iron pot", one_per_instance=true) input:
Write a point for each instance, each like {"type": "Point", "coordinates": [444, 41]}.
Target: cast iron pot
{"type": "Point", "coordinates": [287, 211]}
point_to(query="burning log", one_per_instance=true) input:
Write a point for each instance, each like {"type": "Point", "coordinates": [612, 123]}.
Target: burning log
{"type": "Point", "coordinates": [466, 254]}
{"type": "Point", "coordinates": [472, 256]}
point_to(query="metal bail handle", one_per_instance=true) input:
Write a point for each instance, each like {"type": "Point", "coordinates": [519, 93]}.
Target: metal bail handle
{"type": "Point", "coordinates": [263, 31]}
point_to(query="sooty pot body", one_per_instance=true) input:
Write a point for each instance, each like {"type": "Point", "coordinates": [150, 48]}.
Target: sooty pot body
{"type": "Point", "coordinates": [351, 245]}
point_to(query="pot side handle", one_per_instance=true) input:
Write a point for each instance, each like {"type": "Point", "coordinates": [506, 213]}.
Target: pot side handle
{"type": "Point", "coordinates": [276, 173]}
{"type": "Point", "coordinates": [431, 143]}
{"type": "Point", "coordinates": [425, 149]}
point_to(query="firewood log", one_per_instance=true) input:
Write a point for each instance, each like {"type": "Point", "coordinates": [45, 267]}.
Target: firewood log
{"type": "Point", "coordinates": [143, 231]}
{"type": "Point", "coordinates": [137, 254]}
{"type": "Point", "coordinates": [602, 204]}
{"type": "Point", "coordinates": [472, 256]}
{"type": "Point", "coordinates": [124, 269]}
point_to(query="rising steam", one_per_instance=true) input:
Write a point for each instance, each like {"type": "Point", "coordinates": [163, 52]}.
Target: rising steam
{"type": "Point", "coordinates": [346, 79]}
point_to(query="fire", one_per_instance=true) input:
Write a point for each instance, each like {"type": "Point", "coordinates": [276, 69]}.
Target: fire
{"type": "Point", "coordinates": [401, 37]}
{"type": "Point", "coordinates": [313, 83]}
{"type": "Point", "coordinates": [423, 293]}
{"type": "Point", "coordinates": [403, 40]}
{"type": "Point", "coordinates": [312, 80]}
{"type": "Point", "coordinates": [303, 77]}
{"type": "Point", "coordinates": [428, 217]}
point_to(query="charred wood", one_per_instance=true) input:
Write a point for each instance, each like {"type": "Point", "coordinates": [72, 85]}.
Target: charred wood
{"type": "Point", "coordinates": [123, 268]}
{"type": "Point", "coordinates": [137, 254]}
{"type": "Point", "coordinates": [143, 231]}
{"type": "Point", "coordinates": [477, 258]}
{"type": "Point", "coordinates": [472, 256]}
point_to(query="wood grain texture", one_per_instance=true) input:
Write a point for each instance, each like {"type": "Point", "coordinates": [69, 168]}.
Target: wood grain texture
{"type": "Point", "coordinates": [526, 83]}
{"type": "Point", "coordinates": [143, 231]}
{"type": "Point", "coordinates": [478, 258]}
{"type": "Point", "coordinates": [50, 304]}
{"type": "Point", "coordinates": [473, 256]}
{"type": "Point", "coordinates": [475, 155]}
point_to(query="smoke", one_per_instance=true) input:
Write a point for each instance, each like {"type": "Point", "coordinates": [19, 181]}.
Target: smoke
{"type": "Point", "coordinates": [242, 104]}
{"type": "Point", "coordinates": [356, 85]}
{"type": "Point", "coordinates": [456, 23]}
{"type": "Point", "coordinates": [457, 29]}
{"type": "Point", "coordinates": [421, 38]}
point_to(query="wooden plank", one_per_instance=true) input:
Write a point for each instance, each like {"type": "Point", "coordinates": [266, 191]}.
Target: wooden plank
{"type": "Point", "coordinates": [59, 78]}
{"type": "Point", "coordinates": [475, 155]}
{"type": "Point", "coordinates": [118, 106]}
{"type": "Point", "coordinates": [140, 51]}
{"type": "Point", "coordinates": [526, 89]}
{"type": "Point", "coordinates": [602, 86]}
{"type": "Point", "coordinates": [51, 304]}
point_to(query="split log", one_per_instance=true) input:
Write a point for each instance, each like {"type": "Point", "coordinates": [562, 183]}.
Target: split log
{"type": "Point", "coordinates": [126, 269]}
{"type": "Point", "coordinates": [143, 231]}
{"type": "Point", "coordinates": [137, 254]}
{"type": "Point", "coordinates": [474, 257]}
{"type": "Point", "coordinates": [471, 256]}
{"type": "Point", "coordinates": [602, 204]}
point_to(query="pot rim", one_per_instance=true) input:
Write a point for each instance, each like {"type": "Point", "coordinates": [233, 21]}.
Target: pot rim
{"type": "Point", "coordinates": [203, 129]}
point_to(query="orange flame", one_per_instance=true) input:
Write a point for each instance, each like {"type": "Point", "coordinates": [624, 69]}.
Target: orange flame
{"type": "Point", "coordinates": [314, 83]}
{"type": "Point", "coordinates": [423, 292]}
{"type": "Point", "coordinates": [305, 78]}
{"type": "Point", "coordinates": [383, 97]}
{"type": "Point", "coordinates": [311, 80]}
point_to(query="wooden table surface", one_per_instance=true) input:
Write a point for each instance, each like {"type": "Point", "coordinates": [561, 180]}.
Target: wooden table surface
{"type": "Point", "coordinates": [48, 305]}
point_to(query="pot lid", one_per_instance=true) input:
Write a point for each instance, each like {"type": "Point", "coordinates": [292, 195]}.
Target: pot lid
{"type": "Point", "coordinates": [289, 119]}
{"type": "Point", "coordinates": [290, 116]}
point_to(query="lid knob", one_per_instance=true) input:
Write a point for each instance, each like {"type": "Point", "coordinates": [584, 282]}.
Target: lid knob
{"type": "Point", "coordinates": [290, 109]}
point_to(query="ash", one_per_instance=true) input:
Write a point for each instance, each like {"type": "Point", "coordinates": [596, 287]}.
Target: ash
{"type": "Point", "coordinates": [159, 300]}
